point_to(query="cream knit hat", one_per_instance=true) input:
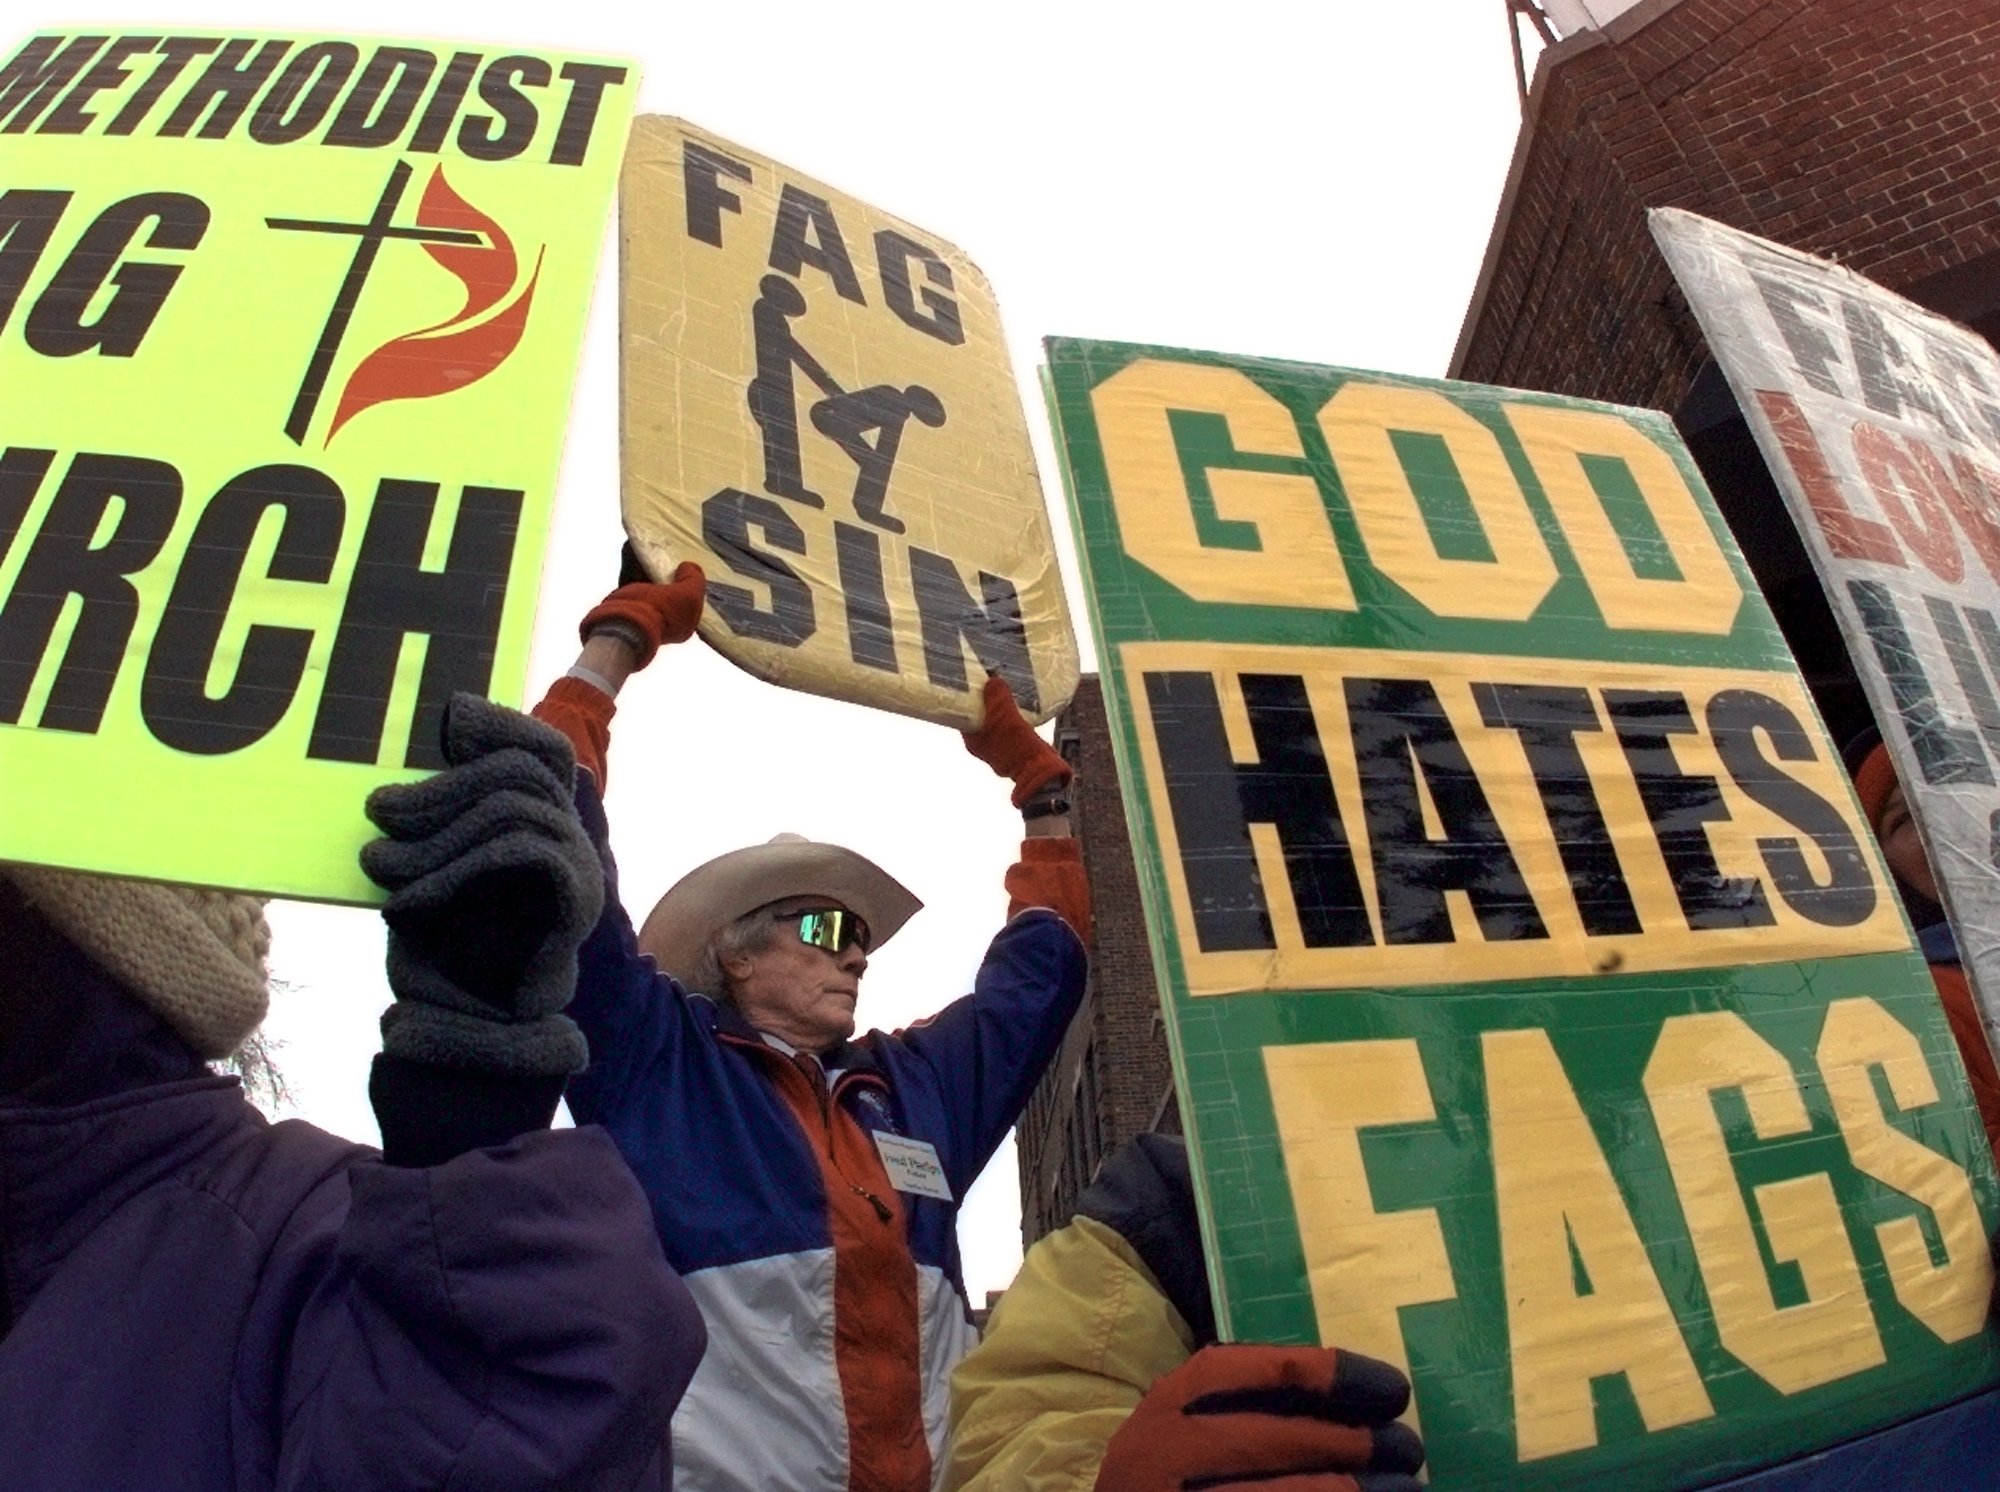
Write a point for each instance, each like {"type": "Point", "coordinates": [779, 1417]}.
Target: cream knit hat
{"type": "Point", "coordinates": [192, 956]}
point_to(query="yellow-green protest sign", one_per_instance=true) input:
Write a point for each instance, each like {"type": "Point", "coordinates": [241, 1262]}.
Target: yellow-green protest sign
{"type": "Point", "coordinates": [819, 408]}
{"type": "Point", "coordinates": [287, 330]}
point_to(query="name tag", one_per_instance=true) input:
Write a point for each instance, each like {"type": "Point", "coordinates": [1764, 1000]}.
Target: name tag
{"type": "Point", "coordinates": [913, 1166]}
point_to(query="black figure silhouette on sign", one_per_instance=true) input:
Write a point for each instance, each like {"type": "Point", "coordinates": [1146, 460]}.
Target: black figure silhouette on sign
{"type": "Point", "coordinates": [867, 424]}
{"type": "Point", "coordinates": [772, 403]}
{"type": "Point", "coordinates": [847, 419]}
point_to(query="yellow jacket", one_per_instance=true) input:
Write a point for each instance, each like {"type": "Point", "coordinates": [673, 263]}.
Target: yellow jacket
{"type": "Point", "coordinates": [1082, 1333]}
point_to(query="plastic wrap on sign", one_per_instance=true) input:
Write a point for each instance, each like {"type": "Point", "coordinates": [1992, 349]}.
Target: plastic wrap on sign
{"type": "Point", "coordinates": [1542, 1014]}
{"type": "Point", "coordinates": [820, 410]}
{"type": "Point", "coordinates": [287, 332]}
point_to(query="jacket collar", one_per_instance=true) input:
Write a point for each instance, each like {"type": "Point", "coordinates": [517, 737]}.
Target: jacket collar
{"type": "Point", "coordinates": [99, 1099]}
{"type": "Point", "coordinates": [848, 1057]}
{"type": "Point", "coordinates": [69, 1031]}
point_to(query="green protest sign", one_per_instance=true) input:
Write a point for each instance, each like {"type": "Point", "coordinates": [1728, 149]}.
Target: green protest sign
{"type": "Point", "coordinates": [1542, 1015]}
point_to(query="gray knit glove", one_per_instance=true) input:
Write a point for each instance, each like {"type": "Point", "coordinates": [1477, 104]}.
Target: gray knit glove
{"type": "Point", "coordinates": [493, 885]}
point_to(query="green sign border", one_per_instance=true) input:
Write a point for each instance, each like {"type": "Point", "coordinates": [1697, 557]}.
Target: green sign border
{"type": "Point", "coordinates": [1256, 1254]}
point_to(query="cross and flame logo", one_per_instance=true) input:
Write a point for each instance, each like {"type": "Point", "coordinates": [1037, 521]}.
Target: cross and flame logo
{"type": "Point", "coordinates": [433, 360]}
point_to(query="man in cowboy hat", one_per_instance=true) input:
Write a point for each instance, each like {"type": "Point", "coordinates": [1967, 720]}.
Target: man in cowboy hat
{"type": "Point", "coordinates": [721, 928]}
{"type": "Point", "coordinates": [807, 1184]}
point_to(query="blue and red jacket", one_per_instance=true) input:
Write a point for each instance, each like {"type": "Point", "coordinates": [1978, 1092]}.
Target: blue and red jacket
{"type": "Point", "coordinates": [834, 1302]}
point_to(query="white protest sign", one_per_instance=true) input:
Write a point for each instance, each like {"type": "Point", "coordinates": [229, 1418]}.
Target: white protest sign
{"type": "Point", "coordinates": [1881, 423]}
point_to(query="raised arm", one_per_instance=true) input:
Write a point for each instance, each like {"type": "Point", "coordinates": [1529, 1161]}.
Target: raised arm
{"type": "Point", "coordinates": [489, 1305]}
{"type": "Point", "coordinates": [623, 1005]}
{"type": "Point", "coordinates": [492, 885]}
{"type": "Point", "coordinates": [1050, 870]}
{"type": "Point", "coordinates": [621, 635]}
{"type": "Point", "coordinates": [986, 1052]}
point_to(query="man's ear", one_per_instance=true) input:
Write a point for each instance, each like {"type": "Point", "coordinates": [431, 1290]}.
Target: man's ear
{"type": "Point", "coordinates": [737, 969]}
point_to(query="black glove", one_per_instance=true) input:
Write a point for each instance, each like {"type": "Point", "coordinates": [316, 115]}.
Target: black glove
{"type": "Point", "coordinates": [493, 885]}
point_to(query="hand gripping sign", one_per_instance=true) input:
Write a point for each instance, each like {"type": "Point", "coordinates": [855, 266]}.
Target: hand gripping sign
{"type": "Point", "coordinates": [819, 408]}
{"type": "Point", "coordinates": [1542, 1016]}
{"type": "Point", "coordinates": [1881, 424]}
{"type": "Point", "coordinates": [287, 328]}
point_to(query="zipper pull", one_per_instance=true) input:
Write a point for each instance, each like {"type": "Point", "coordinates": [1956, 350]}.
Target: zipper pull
{"type": "Point", "coordinates": [881, 1208]}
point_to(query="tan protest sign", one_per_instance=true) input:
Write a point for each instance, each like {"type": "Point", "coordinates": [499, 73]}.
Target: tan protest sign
{"type": "Point", "coordinates": [287, 329]}
{"type": "Point", "coordinates": [819, 408]}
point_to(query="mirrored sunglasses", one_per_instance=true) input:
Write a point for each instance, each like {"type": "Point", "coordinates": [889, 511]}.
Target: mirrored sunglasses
{"type": "Point", "coordinates": [833, 929]}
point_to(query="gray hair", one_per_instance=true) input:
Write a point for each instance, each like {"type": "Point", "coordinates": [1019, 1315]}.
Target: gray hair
{"type": "Point", "coordinates": [751, 933]}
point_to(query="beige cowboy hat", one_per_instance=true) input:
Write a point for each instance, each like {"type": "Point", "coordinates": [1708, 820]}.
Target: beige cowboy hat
{"type": "Point", "coordinates": [730, 886]}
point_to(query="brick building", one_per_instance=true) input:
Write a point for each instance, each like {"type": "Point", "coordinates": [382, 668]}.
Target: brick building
{"type": "Point", "coordinates": [1112, 1079]}
{"type": "Point", "coordinates": [1866, 131]}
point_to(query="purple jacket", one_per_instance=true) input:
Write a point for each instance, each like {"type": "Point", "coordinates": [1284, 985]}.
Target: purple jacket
{"type": "Point", "coordinates": [196, 1299]}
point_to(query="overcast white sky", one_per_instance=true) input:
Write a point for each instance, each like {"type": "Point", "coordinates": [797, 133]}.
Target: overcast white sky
{"type": "Point", "coordinates": [1311, 180]}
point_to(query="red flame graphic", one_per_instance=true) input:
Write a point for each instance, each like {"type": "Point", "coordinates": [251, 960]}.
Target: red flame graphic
{"type": "Point", "coordinates": [464, 349]}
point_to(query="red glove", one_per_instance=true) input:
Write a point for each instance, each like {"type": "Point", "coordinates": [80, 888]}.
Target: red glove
{"type": "Point", "coordinates": [1244, 1418]}
{"type": "Point", "coordinates": [649, 613]}
{"type": "Point", "coordinates": [1008, 744]}
{"type": "Point", "coordinates": [1050, 874]}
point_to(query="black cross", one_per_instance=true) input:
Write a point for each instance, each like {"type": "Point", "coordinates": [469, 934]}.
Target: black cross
{"type": "Point", "coordinates": [371, 235]}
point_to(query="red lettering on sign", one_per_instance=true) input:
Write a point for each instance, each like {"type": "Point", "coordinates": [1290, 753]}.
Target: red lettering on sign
{"type": "Point", "coordinates": [1970, 494]}
{"type": "Point", "coordinates": [1907, 496]}
{"type": "Point", "coordinates": [1848, 534]}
